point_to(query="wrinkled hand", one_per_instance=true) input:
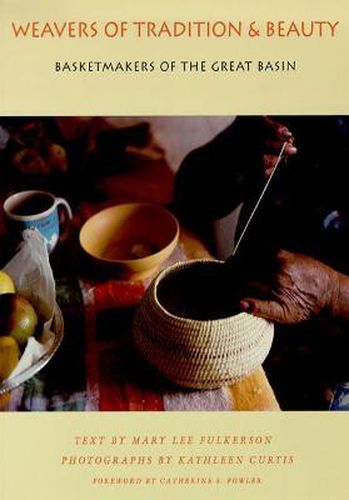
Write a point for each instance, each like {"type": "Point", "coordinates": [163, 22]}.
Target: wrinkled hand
{"type": "Point", "coordinates": [300, 289]}
{"type": "Point", "coordinates": [275, 134]}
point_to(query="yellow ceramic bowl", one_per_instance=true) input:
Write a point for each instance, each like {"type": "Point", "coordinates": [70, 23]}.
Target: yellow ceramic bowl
{"type": "Point", "coordinates": [130, 240]}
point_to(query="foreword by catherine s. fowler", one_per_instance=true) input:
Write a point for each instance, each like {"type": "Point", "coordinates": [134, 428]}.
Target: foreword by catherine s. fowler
{"type": "Point", "coordinates": [175, 29]}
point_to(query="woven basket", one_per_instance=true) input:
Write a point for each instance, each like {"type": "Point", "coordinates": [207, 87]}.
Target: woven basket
{"type": "Point", "coordinates": [202, 354]}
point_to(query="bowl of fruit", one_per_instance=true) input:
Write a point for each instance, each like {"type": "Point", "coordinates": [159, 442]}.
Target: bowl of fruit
{"type": "Point", "coordinates": [31, 328]}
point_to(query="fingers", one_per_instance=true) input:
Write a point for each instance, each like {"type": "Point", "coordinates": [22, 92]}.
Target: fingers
{"type": "Point", "coordinates": [274, 146]}
{"type": "Point", "coordinates": [277, 130]}
{"type": "Point", "coordinates": [273, 149]}
{"type": "Point", "coordinates": [276, 135]}
{"type": "Point", "coordinates": [267, 309]}
{"type": "Point", "coordinates": [290, 149]}
{"type": "Point", "coordinates": [283, 132]}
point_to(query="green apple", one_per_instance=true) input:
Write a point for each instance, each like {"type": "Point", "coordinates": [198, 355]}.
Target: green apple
{"type": "Point", "coordinates": [18, 318]}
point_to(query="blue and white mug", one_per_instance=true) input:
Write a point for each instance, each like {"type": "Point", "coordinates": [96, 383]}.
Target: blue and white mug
{"type": "Point", "coordinates": [36, 210]}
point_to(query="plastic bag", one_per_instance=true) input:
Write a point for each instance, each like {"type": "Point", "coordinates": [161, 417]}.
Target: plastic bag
{"type": "Point", "coordinates": [31, 271]}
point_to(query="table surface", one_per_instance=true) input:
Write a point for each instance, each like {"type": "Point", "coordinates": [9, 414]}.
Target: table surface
{"type": "Point", "coordinates": [96, 367]}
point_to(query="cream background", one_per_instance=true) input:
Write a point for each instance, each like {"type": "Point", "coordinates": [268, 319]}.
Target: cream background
{"type": "Point", "coordinates": [32, 447]}
{"type": "Point", "coordinates": [29, 84]}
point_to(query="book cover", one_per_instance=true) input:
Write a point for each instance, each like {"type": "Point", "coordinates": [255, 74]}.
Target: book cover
{"type": "Point", "coordinates": [184, 119]}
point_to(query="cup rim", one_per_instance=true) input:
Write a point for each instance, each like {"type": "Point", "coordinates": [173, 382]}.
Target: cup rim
{"type": "Point", "coordinates": [33, 217]}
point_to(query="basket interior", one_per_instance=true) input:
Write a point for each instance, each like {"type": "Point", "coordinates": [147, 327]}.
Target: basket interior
{"type": "Point", "coordinates": [200, 291]}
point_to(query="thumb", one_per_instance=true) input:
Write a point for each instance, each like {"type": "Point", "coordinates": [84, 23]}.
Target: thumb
{"type": "Point", "coordinates": [268, 309]}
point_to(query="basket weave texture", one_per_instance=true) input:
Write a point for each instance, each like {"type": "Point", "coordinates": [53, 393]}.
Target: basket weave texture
{"type": "Point", "coordinates": [201, 354]}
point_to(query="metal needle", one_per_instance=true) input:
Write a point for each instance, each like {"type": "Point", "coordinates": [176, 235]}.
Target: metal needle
{"type": "Point", "coordinates": [259, 199]}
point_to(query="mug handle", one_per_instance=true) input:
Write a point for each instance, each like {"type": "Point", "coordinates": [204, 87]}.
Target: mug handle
{"type": "Point", "coordinates": [68, 213]}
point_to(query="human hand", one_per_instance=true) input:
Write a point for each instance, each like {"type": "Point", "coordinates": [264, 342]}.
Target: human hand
{"type": "Point", "coordinates": [275, 134]}
{"type": "Point", "coordinates": [299, 289]}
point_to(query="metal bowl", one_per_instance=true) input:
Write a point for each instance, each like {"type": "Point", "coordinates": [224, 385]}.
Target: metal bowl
{"type": "Point", "coordinates": [58, 330]}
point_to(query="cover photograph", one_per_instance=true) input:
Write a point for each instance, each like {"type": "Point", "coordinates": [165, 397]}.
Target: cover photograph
{"type": "Point", "coordinates": [117, 200]}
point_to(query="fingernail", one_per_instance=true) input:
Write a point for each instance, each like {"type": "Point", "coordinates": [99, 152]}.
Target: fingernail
{"type": "Point", "coordinates": [245, 305]}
